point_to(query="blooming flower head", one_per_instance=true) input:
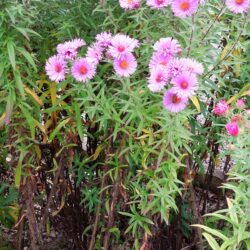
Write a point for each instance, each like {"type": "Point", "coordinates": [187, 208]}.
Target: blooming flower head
{"type": "Point", "coordinates": [158, 4]}
{"type": "Point", "coordinates": [94, 53]}
{"type": "Point", "coordinates": [221, 108]}
{"type": "Point", "coordinates": [167, 46]}
{"type": "Point", "coordinates": [158, 79]}
{"type": "Point", "coordinates": [159, 60]}
{"type": "Point", "coordinates": [192, 66]}
{"type": "Point", "coordinates": [83, 70]}
{"type": "Point", "coordinates": [232, 129]}
{"type": "Point", "coordinates": [238, 6]}
{"type": "Point", "coordinates": [130, 4]}
{"type": "Point", "coordinates": [175, 67]}
{"type": "Point", "coordinates": [56, 68]}
{"type": "Point", "coordinates": [173, 102]}
{"type": "Point", "coordinates": [68, 50]}
{"type": "Point", "coordinates": [125, 65]}
{"type": "Point", "coordinates": [185, 84]}
{"type": "Point", "coordinates": [122, 44]}
{"type": "Point", "coordinates": [104, 39]}
{"type": "Point", "coordinates": [240, 104]}
{"type": "Point", "coordinates": [184, 8]}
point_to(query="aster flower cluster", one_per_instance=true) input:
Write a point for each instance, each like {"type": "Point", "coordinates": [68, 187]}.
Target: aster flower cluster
{"type": "Point", "coordinates": [119, 48]}
{"type": "Point", "coordinates": [184, 8]}
{"type": "Point", "coordinates": [222, 109]}
{"type": "Point", "coordinates": [166, 67]}
{"type": "Point", "coordinates": [180, 8]}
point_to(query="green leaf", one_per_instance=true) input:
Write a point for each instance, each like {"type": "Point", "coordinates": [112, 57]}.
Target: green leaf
{"type": "Point", "coordinates": [212, 231]}
{"type": "Point", "coordinates": [30, 121]}
{"type": "Point", "coordinates": [58, 128]}
{"type": "Point", "coordinates": [28, 57]}
{"type": "Point", "coordinates": [19, 83]}
{"type": "Point", "coordinates": [211, 241]}
{"type": "Point", "coordinates": [11, 53]}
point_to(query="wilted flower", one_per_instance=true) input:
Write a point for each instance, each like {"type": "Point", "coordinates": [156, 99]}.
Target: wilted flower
{"type": "Point", "coordinates": [240, 104]}
{"type": "Point", "coordinates": [221, 108]}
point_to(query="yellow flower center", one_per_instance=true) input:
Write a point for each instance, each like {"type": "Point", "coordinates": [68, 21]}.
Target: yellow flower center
{"type": "Point", "coordinates": [83, 70]}
{"type": "Point", "coordinates": [184, 85]}
{"type": "Point", "coordinates": [124, 64]}
{"type": "Point", "coordinates": [239, 1]}
{"type": "Point", "coordinates": [184, 5]}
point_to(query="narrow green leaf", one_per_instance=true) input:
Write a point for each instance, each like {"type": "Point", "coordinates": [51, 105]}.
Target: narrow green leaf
{"type": "Point", "coordinates": [58, 128]}
{"type": "Point", "coordinates": [11, 53]}
{"type": "Point", "coordinates": [19, 83]}
{"type": "Point", "coordinates": [30, 121]}
{"type": "Point", "coordinates": [211, 241]}
{"type": "Point", "coordinates": [28, 57]}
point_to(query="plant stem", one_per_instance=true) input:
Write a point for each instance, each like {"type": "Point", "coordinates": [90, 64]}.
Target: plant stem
{"type": "Point", "coordinates": [213, 22]}
{"type": "Point", "coordinates": [230, 50]}
{"type": "Point", "coordinates": [191, 36]}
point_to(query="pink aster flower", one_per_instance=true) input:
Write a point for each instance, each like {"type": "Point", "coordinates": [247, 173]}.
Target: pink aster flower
{"type": "Point", "coordinates": [104, 39]}
{"type": "Point", "coordinates": [167, 46]}
{"type": "Point", "coordinates": [175, 68]}
{"type": "Point", "coordinates": [238, 6]}
{"type": "Point", "coordinates": [221, 108]}
{"type": "Point", "coordinates": [174, 103]}
{"type": "Point", "coordinates": [159, 60]}
{"type": "Point", "coordinates": [158, 79]}
{"type": "Point", "coordinates": [56, 68]}
{"type": "Point", "coordinates": [122, 44]}
{"type": "Point", "coordinates": [232, 128]}
{"type": "Point", "coordinates": [192, 66]}
{"type": "Point", "coordinates": [158, 4]}
{"type": "Point", "coordinates": [184, 8]}
{"type": "Point", "coordinates": [185, 84]}
{"type": "Point", "coordinates": [240, 104]}
{"type": "Point", "coordinates": [83, 69]}
{"type": "Point", "coordinates": [68, 50]}
{"type": "Point", "coordinates": [125, 65]}
{"type": "Point", "coordinates": [94, 53]}
{"type": "Point", "coordinates": [130, 4]}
